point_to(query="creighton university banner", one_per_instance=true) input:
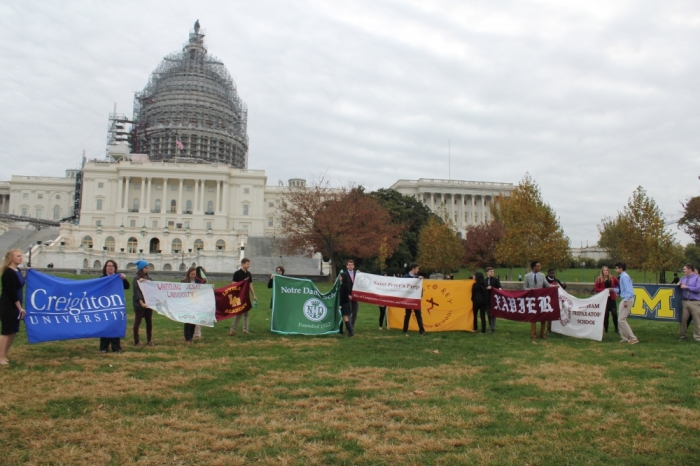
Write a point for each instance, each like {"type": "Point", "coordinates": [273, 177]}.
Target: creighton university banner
{"type": "Point", "coordinates": [232, 300]}
{"type": "Point", "coordinates": [63, 309]}
{"type": "Point", "coordinates": [657, 302]}
{"type": "Point", "coordinates": [387, 291]}
{"type": "Point", "coordinates": [538, 305]}
{"type": "Point", "coordinates": [446, 306]}
{"type": "Point", "coordinates": [581, 318]}
{"type": "Point", "coordinates": [299, 308]}
{"type": "Point", "coordinates": [190, 303]}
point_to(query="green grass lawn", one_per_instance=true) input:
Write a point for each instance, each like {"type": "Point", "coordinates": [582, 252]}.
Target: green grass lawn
{"type": "Point", "coordinates": [378, 398]}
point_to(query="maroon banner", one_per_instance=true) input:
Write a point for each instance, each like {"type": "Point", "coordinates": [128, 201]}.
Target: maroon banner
{"type": "Point", "coordinates": [232, 300]}
{"type": "Point", "coordinates": [539, 305]}
{"type": "Point", "coordinates": [384, 300]}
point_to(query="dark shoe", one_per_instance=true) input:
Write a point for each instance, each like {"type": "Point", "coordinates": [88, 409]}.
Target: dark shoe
{"type": "Point", "coordinates": [483, 331]}
{"type": "Point", "coordinates": [617, 331]}
{"type": "Point", "coordinates": [682, 338]}
{"type": "Point", "coordinates": [118, 350]}
{"type": "Point", "coordinates": [103, 351]}
{"type": "Point", "coordinates": [138, 345]}
{"type": "Point", "coordinates": [424, 334]}
{"type": "Point", "coordinates": [492, 330]}
{"type": "Point", "coordinates": [150, 343]}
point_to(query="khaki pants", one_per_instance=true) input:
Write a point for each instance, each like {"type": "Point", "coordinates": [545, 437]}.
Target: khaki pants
{"type": "Point", "coordinates": [691, 308]}
{"type": "Point", "coordinates": [622, 313]}
{"type": "Point", "coordinates": [237, 319]}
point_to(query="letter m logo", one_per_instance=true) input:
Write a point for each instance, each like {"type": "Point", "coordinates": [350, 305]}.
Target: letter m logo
{"type": "Point", "coordinates": [646, 305]}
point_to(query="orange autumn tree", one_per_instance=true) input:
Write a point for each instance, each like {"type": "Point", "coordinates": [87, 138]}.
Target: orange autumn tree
{"type": "Point", "coordinates": [531, 229]}
{"type": "Point", "coordinates": [439, 247]}
{"type": "Point", "coordinates": [337, 222]}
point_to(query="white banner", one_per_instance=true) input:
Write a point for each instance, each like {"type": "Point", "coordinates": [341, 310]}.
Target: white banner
{"type": "Point", "coordinates": [387, 291]}
{"type": "Point", "coordinates": [581, 318]}
{"type": "Point", "coordinates": [190, 303]}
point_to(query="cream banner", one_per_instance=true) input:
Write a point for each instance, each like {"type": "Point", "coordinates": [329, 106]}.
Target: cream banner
{"type": "Point", "coordinates": [387, 291]}
{"type": "Point", "coordinates": [581, 318]}
{"type": "Point", "coordinates": [190, 303]}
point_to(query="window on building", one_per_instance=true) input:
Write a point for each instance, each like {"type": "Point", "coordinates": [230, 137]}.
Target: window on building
{"type": "Point", "coordinates": [190, 188]}
{"type": "Point", "coordinates": [58, 196]}
{"type": "Point", "coordinates": [40, 196]}
{"type": "Point", "coordinates": [25, 195]}
{"type": "Point", "coordinates": [188, 206]}
{"type": "Point", "coordinates": [221, 245]}
{"type": "Point", "coordinates": [176, 246]}
{"type": "Point", "coordinates": [132, 245]}
{"type": "Point", "coordinates": [270, 204]}
{"type": "Point", "coordinates": [137, 187]}
{"type": "Point", "coordinates": [167, 267]}
{"type": "Point", "coordinates": [270, 222]}
{"type": "Point", "coordinates": [158, 205]}
{"type": "Point", "coordinates": [155, 224]}
{"type": "Point", "coordinates": [171, 223]}
{"type": "Point", "coordinates": [99, 205]}
{"type": "Point", "coordinates": [159, 187]}
{"type": "Point", "coordinates": [39, 212]}
{"type": "Point", "coordinates": [210, 189]}
{"type": "Point", "coordinates": [132, 223]}
{"type": "Point", "coordinates": [87, 242]}
{"type": "Point", "coordinates": [198, 244]}
{"type": "Point", "coordinates": [208, 225]}
{"type": "Point", "coordinates": [56, 212]}
{"type": "Point", "coordinates": [98, 222]}
{"type": "Point", "coordinates": [135, 207]}
{"type": "Point", "coordinates": [210, 206]}
{"type": "Point", "coordinates": [187, 223]}
{"type": "Point", "coordinates": [100, 185]}
{"type": "Point", "coordinates": [173, 187]}
{"type": "Point", "coordinates": [109, 244]}
{"type": "Point", "coordinates": [173, 206]}
{"type": "Point", "coordinates": [245, 209]}
{"type": "Point", "coordinates": [24, 211]}
{"type": "Point", "coordinates": [245, 226]}
{"type": "Point", "coordinates": [246, 190]}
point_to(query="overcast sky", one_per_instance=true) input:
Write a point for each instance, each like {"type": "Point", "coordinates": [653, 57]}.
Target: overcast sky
{"type": "Point", "coordinates": [592, 98]}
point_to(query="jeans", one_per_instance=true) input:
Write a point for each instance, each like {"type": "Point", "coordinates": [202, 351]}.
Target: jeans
{"type": "Point", "coordinates": [610, 309]}
{"type": "Point", "coordinates": [147, 315]}
{"type": "Point", "coordinates": [189, 331]}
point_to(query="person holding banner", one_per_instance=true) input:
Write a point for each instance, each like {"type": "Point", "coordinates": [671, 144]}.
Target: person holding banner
{"type": "Point", "coordinates": [481, 303]}
{"type": "Point", "coordinates": [240, 275]}
{"type": "Point", "coordinates": [354, 305]}
{"type": "Point", "coordinates": [279, 271]}
{"type": "Point", "coordinates": [606, 280]}
{"type": "Point", "coordinates": [140, 309]}
{"type": "Point", "coordinates": [534, 280]}
{"type": "Point", "coordinates": [202, 276]}
{"type": "Point", "coordinates": [413, 273]}
{"type": "Point", "coordinates": [492, 283]}
{"type": "Point", "coordinates": [191, 277]}
{"type": "Point", "coordinates": [11, 310]}
{"type": "Point", "coordinates": [690, 286]}
{"type": "Point", "coordinates": [626, 292]}
{"type": "Point", "coordinates": [110, 268]}
{"type": "Point", "coordinates": [346, 304]}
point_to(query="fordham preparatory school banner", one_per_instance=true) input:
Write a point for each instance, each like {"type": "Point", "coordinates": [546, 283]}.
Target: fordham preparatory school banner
{"type": "Point", "coordinates": [581, 318]}
{"type": "Point", "coordinates": [387, 291]}
{"type": "Point", "coordinates": [298, 307]}
{"type": "Point", "coordinates": [63, 309]}
{"type": "Point", "coordinates": [657, 302]}
{"type": "Point", "coordinates": [526, 306]}
{"type": "Point", "coordinates": [446, 306]}
{"type": "Point", "coordinates": [190, 303]}
{"type": "Point", "coordinates": [232, 300]}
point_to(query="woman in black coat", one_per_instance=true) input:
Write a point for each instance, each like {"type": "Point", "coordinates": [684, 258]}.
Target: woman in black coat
{"type": "Point", "coordinates": [110, 268]}
{"type": "Point", "coordinates": [11, 310]}
{"type": "Point", "coordinates": [480, 299]}
{"type": "Point", "coordinates": [279, 271]}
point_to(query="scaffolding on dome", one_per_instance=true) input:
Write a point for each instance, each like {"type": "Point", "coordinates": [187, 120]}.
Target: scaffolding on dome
{"type": "Point", "coordinates": [190, 108]}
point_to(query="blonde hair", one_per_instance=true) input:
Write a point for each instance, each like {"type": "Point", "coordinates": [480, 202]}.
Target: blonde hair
{"type": "Point", "coordinates": [7, 260]}
{"type": "Point", "coordinates": [601, 278]}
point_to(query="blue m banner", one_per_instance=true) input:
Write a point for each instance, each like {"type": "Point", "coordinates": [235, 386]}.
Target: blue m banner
{"type": "Point", "coordinates": [63, 309]}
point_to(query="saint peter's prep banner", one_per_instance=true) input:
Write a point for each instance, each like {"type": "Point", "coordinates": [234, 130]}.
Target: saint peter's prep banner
{"type": "Point", "coordinates": [190, 303]}
{"type": "Point", "coordinates": [387, 291]}
{"type": "Point", "coordinates": [657, 302]}
{"type": "Point", "coordinates": [299, 308]}
{"type": "Point", "coordinates": [446, 306]}
{"type": "Point", "coordinates": [538, 305]}
{"type": "Point", "coordinates": [63, 309]}
{"type": "Point", "coordinates": [581, 318]}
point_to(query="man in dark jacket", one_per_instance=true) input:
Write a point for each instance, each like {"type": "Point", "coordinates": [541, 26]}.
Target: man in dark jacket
{"type": "Point", "coordinates": [350, 274]}
{"type": "Point", "coordinates": [492, 283]}
{"type": "Point", "coordinates": [413, 273]}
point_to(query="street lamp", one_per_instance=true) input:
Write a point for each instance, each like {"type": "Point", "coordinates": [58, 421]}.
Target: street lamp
{"type": "Point", "coordinates": [583, 278]}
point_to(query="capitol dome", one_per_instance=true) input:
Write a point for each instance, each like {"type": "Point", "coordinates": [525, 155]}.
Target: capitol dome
{"type": "Point", "coordinates": [190, 109]}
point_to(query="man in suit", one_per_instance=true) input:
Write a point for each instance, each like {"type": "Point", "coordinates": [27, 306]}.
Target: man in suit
{"type": "Point", "coordinates": [534, 280]}
{"type": "Point", "coordinates": [492, 283]}
{"type": "Point", "coordinates": [350, 272]}
{"type": "Point", "coordinates": [413, 273]}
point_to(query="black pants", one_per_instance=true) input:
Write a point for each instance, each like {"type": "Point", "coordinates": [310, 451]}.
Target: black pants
{"type": "Point", "coordinates": [610, 308]}
{"type": "Point", "coordinates": [382, 316]}
{"type": "Point", "coordinates": [353, 315]}
{"type": "Point", "coordinates": [115, 342]}
{"type": "Point", "coordinates": [480, 309]}
{"type": "Point", "coordinates": [189, 331]}
{"type": "Point", "coordinates": [419, 318]}
{"type": "Point", "coordinates": [147, 315]}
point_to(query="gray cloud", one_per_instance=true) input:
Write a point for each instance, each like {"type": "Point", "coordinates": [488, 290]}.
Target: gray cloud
{"type": "Point", "coordinates": [591, 98]}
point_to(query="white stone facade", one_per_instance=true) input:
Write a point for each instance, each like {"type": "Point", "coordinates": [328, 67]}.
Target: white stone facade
{"type": "Point", "coordinates": [44, 197]}
{"type": "Point", "coordinates": [466, 202]}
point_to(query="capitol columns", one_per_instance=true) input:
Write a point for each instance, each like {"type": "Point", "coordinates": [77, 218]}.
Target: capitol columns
{"type": "Point", "coordinates": [217, 204]}
{"type": "Point", "coordinates": [179, 197]}
{"type": "Point", "coordinates": [195, 209]}
{"type": "Point", "coordinates": [120, 191]}
{"type": "Point", "coordinates": [146, 206]}
{"type": "Point", "coordinates": [126, 192]}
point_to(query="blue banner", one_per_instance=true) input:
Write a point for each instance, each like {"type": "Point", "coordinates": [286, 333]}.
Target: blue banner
{"type": "Point", "coordinates": [657, 302]}
{"type": "Point", "coordinates": [63, 309]}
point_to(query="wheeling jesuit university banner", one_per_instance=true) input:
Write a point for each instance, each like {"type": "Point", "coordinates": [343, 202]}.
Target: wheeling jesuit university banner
{"type": "Point", "coordinates": [581, 318]}
{"type": "Point", "coordinates": [63, 309]}
{"type": "Point", "coordinates": [387, 291]}
{"type": "Point", "coordinates": [446, 306]}
{"type": "Point", "coordinates": [538, 305]}
{"type": "Point", "coordinates": [190, 303]}
{"type": "Point", "coordinates": [298, 307]}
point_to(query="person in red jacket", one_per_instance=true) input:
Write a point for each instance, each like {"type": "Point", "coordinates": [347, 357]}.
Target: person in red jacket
{"type": "Point", "coordinates": [606, 280]}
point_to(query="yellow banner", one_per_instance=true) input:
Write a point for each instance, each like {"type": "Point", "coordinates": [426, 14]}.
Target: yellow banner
{"type": "Point", "coordinates": [446, 306]}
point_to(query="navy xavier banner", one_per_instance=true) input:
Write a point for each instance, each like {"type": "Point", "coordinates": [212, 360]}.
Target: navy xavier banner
{"type": "Point", "coordinates": [63, 309]}
{"type": "Point", "coordinates": [657, 302]}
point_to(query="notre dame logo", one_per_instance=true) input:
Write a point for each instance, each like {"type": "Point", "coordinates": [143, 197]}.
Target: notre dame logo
{"type": "Point", "coordinates": [660, 304]}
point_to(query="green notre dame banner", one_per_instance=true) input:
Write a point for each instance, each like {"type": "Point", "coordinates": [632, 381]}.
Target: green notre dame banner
{"type": "Point", "coordinates": [299, 308]}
